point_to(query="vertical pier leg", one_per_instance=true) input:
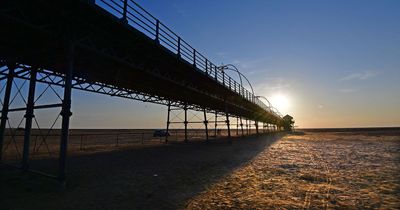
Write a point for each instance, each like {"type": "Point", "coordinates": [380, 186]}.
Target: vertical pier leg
{"type": "Point", "coordinates": [66, 113]}
{"type": "Point", "coordinates": [168, 122]}
{"type": "Point", "coordinates": [237, 126]}
{"type": "Point", "coordinates": [241, 126]}
{"type": "Point", "coordinates": [6, 103]}
{"type": "Point", "coordinates": [247, 126]}
{"type": "Point", "coordinates": [186, 123]}
{"type": "Point", "coordinates": [215, 123]}
{"type": "Point", "coordinates": [228, 124]}
{"type": "Point", "coordinates": [263, 127]}
{"type": "Point", "coordinates": [250, 127]}
{"type": "Point", "coordinates": [28, 119]}
{"type": "Point", "coordinates": [256, 124]}
{"type": "Point", "coordinates": [206, 123]}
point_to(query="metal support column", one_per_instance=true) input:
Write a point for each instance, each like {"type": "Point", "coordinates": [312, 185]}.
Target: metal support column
{"type": "Point", "coordinates": [247, 127]}
{"type": "Point", "coordinates": [227, 123]}
{"type": "Point", "coordinates": [241, 126]}
{"type": "Point", "coordinates": [186, 123]}
{"type": "Point", "coordinates": [6, 103]}
{"type": "Point", "coordinates": [66, 112]}
{"type": "Point", "coordinates": [250, 127]}
{"type": "Point", "coordinates": [206, 123]}
{"type": "Point", "coordinates": [237, 126]}
{"type": "Point", "coordinates": [215, 124]}
{"type": "Point", "coordinates": [168, 122]}
{"type": "Point", "coordinates": [256, 124]}
{"type": "Point", "coordinates": [28, 119]}
{"type": "Point", "coordinates": [263, 127]}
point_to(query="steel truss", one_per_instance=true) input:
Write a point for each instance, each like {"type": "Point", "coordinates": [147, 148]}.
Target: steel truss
{"type": "Point", "coordinates": [11, 71]}
{"type": "Point", "coordinates": [57, 79]}
{"type": "Point", "coordinates": [33, 75]}
{"type": "Point", "coordinates": [174, 116]}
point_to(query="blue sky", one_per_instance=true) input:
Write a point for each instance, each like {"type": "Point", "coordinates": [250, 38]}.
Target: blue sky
{"type": "Point", "coordinates": [334, 63]}
{"type": "Point", "coordinates": [326, 63]}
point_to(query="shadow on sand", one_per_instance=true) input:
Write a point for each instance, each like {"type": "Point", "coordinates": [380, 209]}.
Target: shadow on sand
{"type": "Point", "coordinates": [159, 177]}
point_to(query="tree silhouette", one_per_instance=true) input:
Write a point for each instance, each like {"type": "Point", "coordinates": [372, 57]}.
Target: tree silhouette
{"type": "Point", "coordinates": [288, 122]}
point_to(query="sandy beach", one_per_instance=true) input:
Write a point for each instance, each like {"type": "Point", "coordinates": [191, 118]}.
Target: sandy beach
{"type": "Point", "coordinates": [304, 170]}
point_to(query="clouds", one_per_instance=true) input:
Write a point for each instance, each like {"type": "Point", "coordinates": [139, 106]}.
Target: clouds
{"type": "Point", "coordinates": [272, 84]}
{"type": "Point", "coordinates": [359, 76]}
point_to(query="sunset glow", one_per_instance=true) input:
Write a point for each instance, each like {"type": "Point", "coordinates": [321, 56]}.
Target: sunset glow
{"type": "Point", "coordinates": [281, 102]}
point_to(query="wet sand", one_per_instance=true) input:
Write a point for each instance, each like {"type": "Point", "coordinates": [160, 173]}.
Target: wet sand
{"type": "Point", "coordinates": [332, 170]}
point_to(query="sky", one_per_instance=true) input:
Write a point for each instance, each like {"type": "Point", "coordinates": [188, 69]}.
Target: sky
{"type": "Point", "coordinates": [326, 63]}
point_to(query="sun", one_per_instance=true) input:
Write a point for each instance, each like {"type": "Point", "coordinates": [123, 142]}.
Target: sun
{"type": "Point", "coordinates": [280, 102]}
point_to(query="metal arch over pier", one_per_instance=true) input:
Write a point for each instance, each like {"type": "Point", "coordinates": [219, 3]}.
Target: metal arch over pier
{"type": "Point", "coordinates": [116, 48]}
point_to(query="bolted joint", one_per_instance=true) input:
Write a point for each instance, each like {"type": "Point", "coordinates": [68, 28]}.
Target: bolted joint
{"type": "Point", "coordinates": [123, 20]}
{"type": "Point", "coordinates": [66, 113]}
{"type": "Point", "coordinates": [11, 65]}
{"type": "Point", "coordinates": [227, 122]}
{"type": "Point", "coordinates": [3, 117]}
{"type": "Point", "coordinates": [185, 122]}
{"type": "Point", "coordinates": [205, 121]}
{"type": "Point", "coordinates": [168, 122]}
